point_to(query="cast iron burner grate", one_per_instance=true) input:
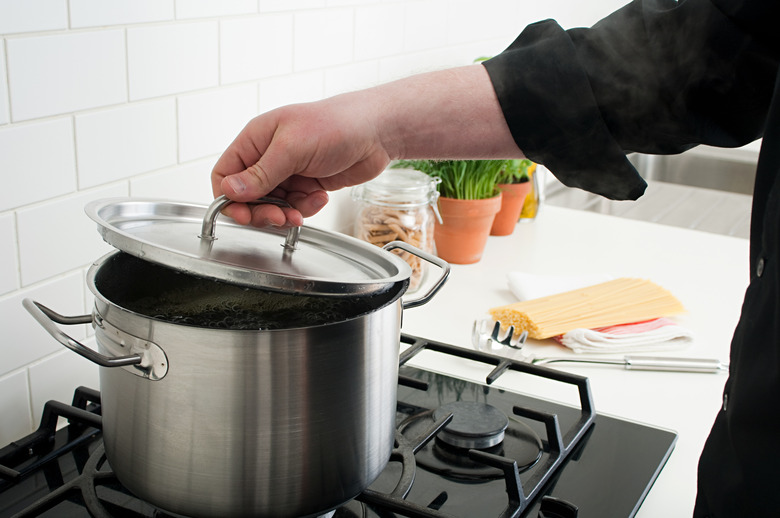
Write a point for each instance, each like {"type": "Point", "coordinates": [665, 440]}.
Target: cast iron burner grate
{"type": "Point", "coordinates": [558, 445]}
{"type": "Point", "coordinates": [515, 469]}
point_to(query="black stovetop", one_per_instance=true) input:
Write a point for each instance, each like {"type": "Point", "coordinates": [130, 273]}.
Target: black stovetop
{"type": "Point", "coordinates": [555, 460]}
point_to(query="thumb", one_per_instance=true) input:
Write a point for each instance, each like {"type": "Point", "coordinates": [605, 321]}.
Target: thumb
{"type": "Point", "coordinates": [279, 161]}
{"type": "Point", "coordinates": [249, 184]}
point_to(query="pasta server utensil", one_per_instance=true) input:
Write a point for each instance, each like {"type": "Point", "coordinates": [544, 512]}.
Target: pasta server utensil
{"type": "Point", "coordinates": [642, 363]}
{"type": "Point", "coordinates": [487, 335]}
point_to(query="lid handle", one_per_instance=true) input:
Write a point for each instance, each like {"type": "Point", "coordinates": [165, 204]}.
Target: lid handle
{"type": "Point", "coordinates": [208, 230]}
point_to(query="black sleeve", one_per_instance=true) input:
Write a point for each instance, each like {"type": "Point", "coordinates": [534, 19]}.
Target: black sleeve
{"type": "Point", "coordinates": [656, 76]}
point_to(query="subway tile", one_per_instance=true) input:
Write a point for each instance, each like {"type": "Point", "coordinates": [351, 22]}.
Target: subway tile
{"type": "Point", "coordinates": [5, 116]}
{"type": "Point", "coordinates": [9, 266]}
{"type": "Point", "coordinates": [351, 77]}
{"type": "Point", "coordinates": [290, 5]}
{"type": "Point", "coordinates": [58, 376]}
{"type": "Point", "coordinates": [378, 31]}
{"type": "Point", "coordinates": [208, 8]}
{"type": "Point", "coordinates": [51, 173]}
{"type": "Point", "coordinates": [169, 59]}
{"type": "Point", "coordinates": [469, 21]}
{"type": "Point", "coordinates": [24, 340]}
{"type": "Point", "coordinates": [293, 88]}
{"type": "Point", "coordinates": [397, 67]}
{"type": "Point", "coordinates": [33, 15]}
{"type": "Point", "coordinates": [93, 13]}
{"type": "Point", "coordinates": [210, 121]}
{"type": "Point", "coordinates": [57, 236]}
{"type": "Point", "coordinates": [323, 38]}
{"type": "Point", "coordinates": [256, 47]}
{"type": "Point", "coordinates": [50, 75]}
{"type": "Point", "coordinates": [189, 182]}
{"type": "Point", "coordinates": [17, 420]}
{"type": "Point", "coordinates": [341, 3]}
{"type": "Point", "coordinates": [118, 143]}
{"type": "Point", "coordinates": [423, 25]}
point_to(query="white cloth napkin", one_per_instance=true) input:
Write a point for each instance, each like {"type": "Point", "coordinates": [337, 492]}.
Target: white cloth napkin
{"type": "Point", "coordinates": [660, 334]}
{"type": "Point", "coordinates": [654, 335]}
{"type": "Point", "coordinates": [528, 286]}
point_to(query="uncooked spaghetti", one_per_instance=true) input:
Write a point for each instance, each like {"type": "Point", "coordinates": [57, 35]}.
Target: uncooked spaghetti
{"type": "Point", "coordinates": [620, 301]}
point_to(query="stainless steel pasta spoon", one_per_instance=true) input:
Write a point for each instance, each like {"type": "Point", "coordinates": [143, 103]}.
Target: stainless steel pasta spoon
{"type": "Point", "coordinates": [488, 335]}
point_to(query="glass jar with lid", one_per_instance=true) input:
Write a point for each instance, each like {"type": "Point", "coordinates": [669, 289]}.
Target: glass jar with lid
{"type": "Point", "coordinates": [399, 205]}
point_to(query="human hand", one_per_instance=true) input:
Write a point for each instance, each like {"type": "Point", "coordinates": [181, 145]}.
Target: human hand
{"type": "Point", "coordinates": [297, 153]}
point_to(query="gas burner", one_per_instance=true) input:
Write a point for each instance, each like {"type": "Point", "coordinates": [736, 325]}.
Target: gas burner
{"type": "Point", "coordinates": [508, 438]}
{"type": "Point", "coordinates": [474, 425]}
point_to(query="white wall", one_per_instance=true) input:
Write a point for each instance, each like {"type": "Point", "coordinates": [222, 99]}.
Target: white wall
{"type": "Point", "coordinates": [102, 98]}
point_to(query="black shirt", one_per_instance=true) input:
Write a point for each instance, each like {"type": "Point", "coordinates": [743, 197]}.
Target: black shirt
{"type": "Point", "coordinates": [660, 76]}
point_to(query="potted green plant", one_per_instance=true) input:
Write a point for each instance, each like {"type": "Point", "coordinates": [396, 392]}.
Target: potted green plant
{"type": "Point", "coordinates": [514, 184]}
{"type": "Point", "coordinates": [468, 201]}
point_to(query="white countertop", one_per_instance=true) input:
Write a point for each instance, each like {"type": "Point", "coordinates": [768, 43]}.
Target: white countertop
{"type": "Point", "coordinates": [707, 272]}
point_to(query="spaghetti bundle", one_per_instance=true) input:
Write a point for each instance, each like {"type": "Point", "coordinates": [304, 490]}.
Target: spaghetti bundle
{"type": "Point", "coordinates": [620, 301]}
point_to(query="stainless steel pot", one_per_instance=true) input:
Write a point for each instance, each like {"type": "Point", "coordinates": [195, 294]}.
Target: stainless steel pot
{"type": "Point", "coordinates": [200, 421]}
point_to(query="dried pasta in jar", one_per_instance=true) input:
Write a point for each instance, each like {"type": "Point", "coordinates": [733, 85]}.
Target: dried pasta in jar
{"type": "Point", "coordinates": [398, 206]}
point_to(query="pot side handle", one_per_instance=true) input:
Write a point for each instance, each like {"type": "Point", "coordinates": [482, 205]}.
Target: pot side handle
{"type": "Point", "coordinates": [47, 319]}
{"type": "Point", "coordinates": [444, 266]}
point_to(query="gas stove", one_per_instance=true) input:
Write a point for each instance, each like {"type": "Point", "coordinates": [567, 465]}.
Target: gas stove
{"type": "Point", "coordinates": [462, 449]}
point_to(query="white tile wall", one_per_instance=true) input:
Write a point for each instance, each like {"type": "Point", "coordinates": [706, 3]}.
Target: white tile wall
{"type": "Point", "coordinates": [290, 5]}
{"type": "Point", "coordinates": [470, 21]}
{"type": "Point", "coordinates": [32, 15]}
{"type": "Point", "coordinates": [93, 13]}
{"type": "Point", "coordinates": [9, 266]}
{"type": "Point", "coordinates": [226, 110]}
{"type": "Point", "coordinates": [240, 39]}
{"type": "Point", "coordinates": [188, 182]}
{"type": "Point", "coordinates": [351, 77]}
{"type": "Point", "coordinates": [419, 32]}
{"type": "Point", "coordinates": [323, 38]}
{"type": "Point", "coordinates": [207, 8]}
{"type": "Point", "coordinates": [57, 376]}
{"type": "Point", "coordinates": [24, 340]}
{"type": "Point", "coordinates": [168, 59]}
{"type": "Point", "coordinates": [378, 31]}
{"type": "Point", "coordinates": [49, 75]}
{"type": "Point", "coordinates": [15, 400]}
{"type": "Point", "coordinates": [106, 98]}
{"type": "Point", "coordinates": [48, 230]}
{"type": "Point", "coordinates": [5, 116]}
{"type": "Point", "coordinates": [119, 143]}
{"type": "Point", "coordinates": [51, 174]}
{"type": "Point", "coordinates": [293, 88]}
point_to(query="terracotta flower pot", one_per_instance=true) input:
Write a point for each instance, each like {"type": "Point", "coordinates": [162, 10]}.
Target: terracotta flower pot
{"type": "Point", "coordinates": [513, 196]}
{"type": "Point", "coordinates": [462, 237]}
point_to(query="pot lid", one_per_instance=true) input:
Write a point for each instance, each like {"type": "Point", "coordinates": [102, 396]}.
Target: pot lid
{"type": "Point", "coordinates": [187, 237]}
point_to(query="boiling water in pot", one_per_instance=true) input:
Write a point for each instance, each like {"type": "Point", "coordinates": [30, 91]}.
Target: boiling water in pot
{"type": "Point", "coordinates": [216, 305]}
{"type": "Point", "coordinates": [169, 295]}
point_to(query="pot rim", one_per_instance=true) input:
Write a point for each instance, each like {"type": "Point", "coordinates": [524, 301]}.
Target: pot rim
{"type": "Point", "coordinates": [400, 287]}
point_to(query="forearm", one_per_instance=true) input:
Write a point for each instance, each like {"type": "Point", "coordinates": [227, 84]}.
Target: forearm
{"type": "Point", "coordinates": [298, 152]}
{"type": "Point", "coordinates": [448, 114]}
